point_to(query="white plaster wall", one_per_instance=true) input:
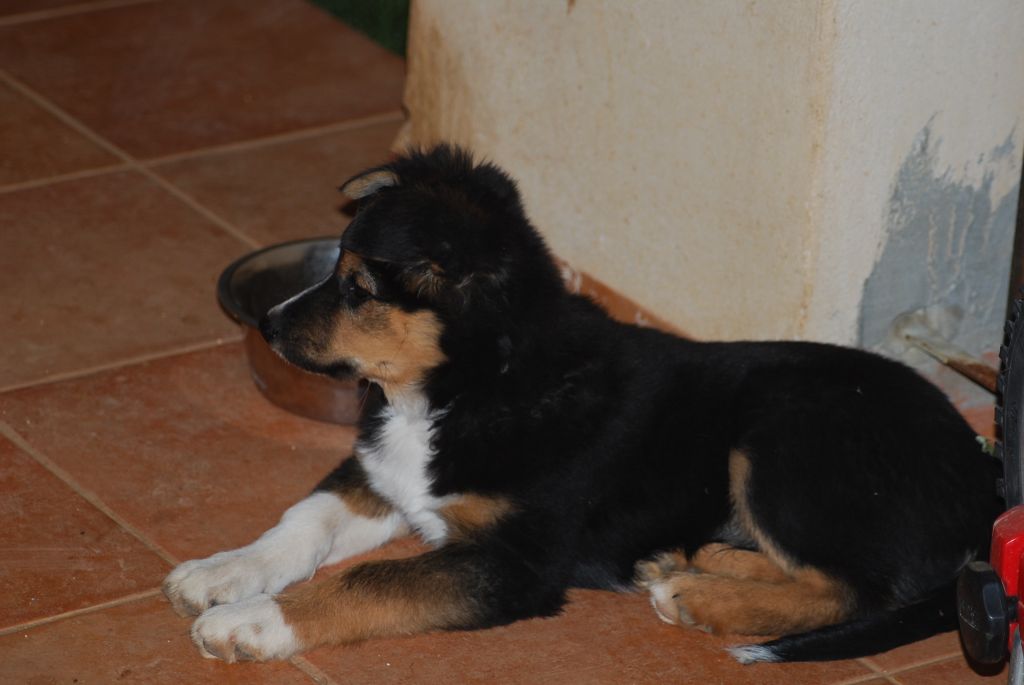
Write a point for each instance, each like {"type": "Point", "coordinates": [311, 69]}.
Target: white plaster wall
{"type": "Point", "coordinates": [666, 147]}
{"type": "Point", "coordinates": [729, 164]}
{"type": "Point", "coordinates": [895, 68]}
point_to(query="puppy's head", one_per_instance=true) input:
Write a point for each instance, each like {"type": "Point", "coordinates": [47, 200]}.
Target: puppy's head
{"type": "Point", "coordinates": [439, 261]}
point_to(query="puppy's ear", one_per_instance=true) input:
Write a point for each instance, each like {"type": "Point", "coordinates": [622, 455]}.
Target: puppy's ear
{"type": "Point", "coordinates": [425, 279]}
{"type": "Point", "coordinates": [368, 183]}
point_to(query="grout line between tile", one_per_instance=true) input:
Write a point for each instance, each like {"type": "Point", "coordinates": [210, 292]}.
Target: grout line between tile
{"type": "Point", "coordinates": [130, 161]}
{"type": "Point", "coordinates": [314, 673]}
{"type": "Point", "coordinates": [66, 118]}
{"type": "Point", "coordinates": [855, 680]}
{"type": "Point", "coordinates": [120, 363]}
{"type": "Point", "coordinates": [127, 599]}
{"type": "Point", "coordinates": [72, 176]}
{"type": "Point", "coordinates": [7, 431]}
{"type": "Point", "coordinates": [872, 674]}
{"type": "Point", "coordinates": [866, 663]}
{"type": "Point", "coordinates": [903, 668]}
{"type": "Point", "coordinates": [278, 138]}
{"type": "Point", "coordinates": [67, 10]}
{"type": "Point", "coordinates": [208, 214]}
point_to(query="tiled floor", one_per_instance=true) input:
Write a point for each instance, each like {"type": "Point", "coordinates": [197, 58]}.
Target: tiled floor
{"type": "Point", "coordinates": [144, 144]}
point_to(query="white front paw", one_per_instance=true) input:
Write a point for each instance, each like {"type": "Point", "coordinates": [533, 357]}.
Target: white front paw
{"type": "Point", "coordinates": [251, 630]}
{"type": "Point", "coordinates": [223, 578]}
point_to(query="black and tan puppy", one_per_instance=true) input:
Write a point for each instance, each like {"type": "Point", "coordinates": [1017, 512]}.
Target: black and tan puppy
{"type": "Point", "coordinates": [821, 493]}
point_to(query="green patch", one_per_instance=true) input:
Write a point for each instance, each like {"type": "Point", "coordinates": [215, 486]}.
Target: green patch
{"type": "Point", "coordinates": [385, 21]}
{"type": "Point", "coordinates": [988, 445]}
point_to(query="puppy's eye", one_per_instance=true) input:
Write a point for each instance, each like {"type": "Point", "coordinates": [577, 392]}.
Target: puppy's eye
{"type": "Point", "coordinates": [352, 291]}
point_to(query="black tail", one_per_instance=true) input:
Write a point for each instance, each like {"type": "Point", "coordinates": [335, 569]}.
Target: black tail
{"type": "Point", "coordinates": [863, 636]}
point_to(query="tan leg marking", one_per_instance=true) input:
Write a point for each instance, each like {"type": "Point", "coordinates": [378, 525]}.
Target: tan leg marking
{"type": "Point", "coordinates": [471, 513]}
{"type": "Point", "coordinates": [355, 491]}
{"type": "Point", "coordinates": [377, 599]}
{"type": "Point", "coordinates": [752, 607]}
{"type": "Point", "coordinates": [365, 502]}
{"type": "Point", "coordinates": [739, 478]}
{"type": "Point", "coordinates": [724, 560]}
{"type": "Point", "coordinates": [729, 590]}
{"type": "Point", "coordinates": [717, 559]}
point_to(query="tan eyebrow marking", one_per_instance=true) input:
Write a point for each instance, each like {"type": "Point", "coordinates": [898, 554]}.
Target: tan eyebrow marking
{"type": "Point", "coordinates": [352, 265]}
{"type": "Point", "coordinates": [365, 281]}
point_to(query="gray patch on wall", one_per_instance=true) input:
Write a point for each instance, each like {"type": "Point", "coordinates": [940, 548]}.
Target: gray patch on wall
{"type": "Point", "coordinates": [948, 249]}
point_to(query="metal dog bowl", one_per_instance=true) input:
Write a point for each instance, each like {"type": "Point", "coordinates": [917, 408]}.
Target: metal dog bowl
{"type": "Point", "coordinates": [248, 289]}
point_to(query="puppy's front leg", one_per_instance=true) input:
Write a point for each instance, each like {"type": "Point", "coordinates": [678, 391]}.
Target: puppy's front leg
{"type": "Point", "coordinates": [459, 586]}
{"type": "Point", "coordinates": [342, 517]}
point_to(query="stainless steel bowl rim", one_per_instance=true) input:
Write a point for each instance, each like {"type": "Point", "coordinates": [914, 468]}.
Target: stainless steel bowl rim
{"type": "Point", "coordinates": [228, 302]}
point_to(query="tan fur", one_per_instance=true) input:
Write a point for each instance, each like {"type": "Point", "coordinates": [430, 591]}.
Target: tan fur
{"type": "Point", "coordinates": [427, 281]}
{"type": "Point", "coordinates": [360, 499]}
{"type": "Point", "coordinates": [386, 344]}
{"type": "Point", "coordinates": [809, 599]}
{"type": "Point", "coordinates": [351, 264]}
{"type": "Point", "coordinates": [369, 183]}
{"type": "Point", "coordinates": [378, 599]}
{"type": "Point", "coordinates": [724, 560]}
{"type": "Point", "coordinates": [717, 559]}
{"type": "Point", "coordinates": [390, 346]}
{"type": "Point", "coordinates": [730, 590]}
{"type": "Point", "coordinates": [739, 477]}
{"type": "Point", "coordinates": [471, 513]}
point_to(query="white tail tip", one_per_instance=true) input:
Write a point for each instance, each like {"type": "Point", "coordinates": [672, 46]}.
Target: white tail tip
{"type": "Point", "coordinates": [753, 654]}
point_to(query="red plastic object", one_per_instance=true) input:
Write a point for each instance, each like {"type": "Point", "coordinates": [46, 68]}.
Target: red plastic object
{"type": "Point", "coordinates": [1007, 553]}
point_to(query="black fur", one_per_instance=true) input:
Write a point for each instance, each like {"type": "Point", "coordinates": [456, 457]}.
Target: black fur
{"type": "Point", "coordinates": [613, 440]}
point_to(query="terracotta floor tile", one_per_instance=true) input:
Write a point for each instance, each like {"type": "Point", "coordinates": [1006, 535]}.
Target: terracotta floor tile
{"type": "Point", "coordinates": [57, 552]}
{"type": "Point", "coordinates": [141, 642]}
{"type": "Point", "coordinates": [36, 144]}
{"type": "Point", "coordinates": [917, 653]}
{"type": "Point", "coordinates": [163, 77]}
{"type": "Point", "coordinates": [104, 268]}
{"type": "Point", "coordinates": [601, 638]}
{"type": "Point", "coordinates": [184, 448]}
{"type": "Point", "coordinates": [286, 190]}
{"type": "Point", "coordinates": [951, 672]}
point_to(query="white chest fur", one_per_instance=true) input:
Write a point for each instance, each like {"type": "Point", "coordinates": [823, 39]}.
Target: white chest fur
{"type": "Point", "coordinates": [396, 464]}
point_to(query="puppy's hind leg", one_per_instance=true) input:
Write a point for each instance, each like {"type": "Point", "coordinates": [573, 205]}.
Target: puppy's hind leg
{"type": "Point", "coordinates": [720, 559]}
{"type": "Point", "coordinates": [342, 517]}
{"type": "Point", "coordinates": [755, 592]}
{"type": "Point", "coordinates": [661, 576]}
{"type": "Point", "coordinates": [722, 604]}
{"type": "Point", "coordinates": [716, 558]}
